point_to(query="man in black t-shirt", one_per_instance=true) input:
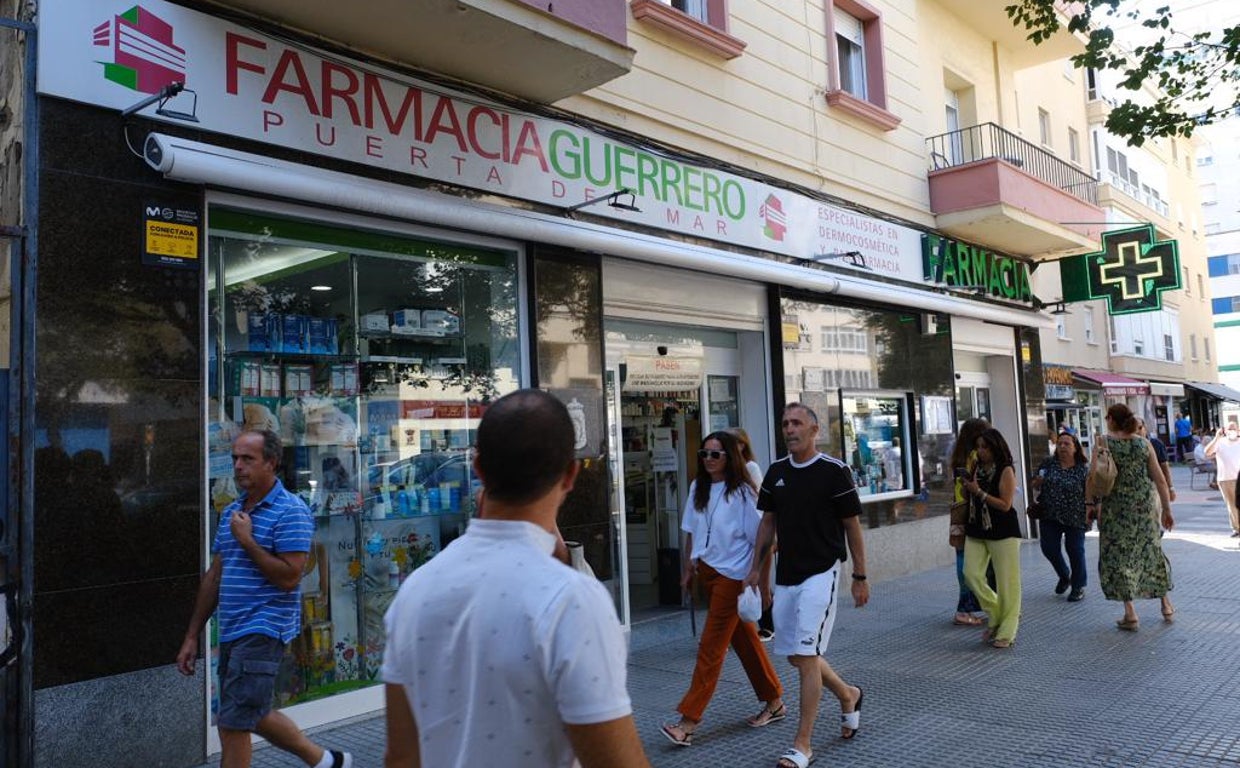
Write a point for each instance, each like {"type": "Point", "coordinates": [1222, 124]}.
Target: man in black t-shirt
{"type": "Point", "coordinates": [810, 500]}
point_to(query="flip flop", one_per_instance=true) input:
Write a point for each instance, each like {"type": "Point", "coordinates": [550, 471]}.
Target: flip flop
{"type": "Point", "coordinates": [666, 729]}
{"type": "Point", "coordinates": [851, 721]}
{"type": "Point", "coordinates": [1128, 625]}
{"type": "Point", "coordinates": [968, 621]}
{"type": "Point", "coordinates": [796, 758]}
{"type": "Point", "coordinates": [767, 716]}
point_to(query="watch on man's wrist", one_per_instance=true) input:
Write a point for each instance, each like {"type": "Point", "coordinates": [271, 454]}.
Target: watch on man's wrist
{"type": "Point", "coordinates": [858, 577]}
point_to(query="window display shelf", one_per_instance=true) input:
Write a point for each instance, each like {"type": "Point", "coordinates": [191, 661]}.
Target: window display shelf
{"type": "Point", "coordinates": [311, 357]}
{"type": "Point", "coordinates": [425, 337]}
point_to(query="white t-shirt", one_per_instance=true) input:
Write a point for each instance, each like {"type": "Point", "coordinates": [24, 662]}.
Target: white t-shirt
{"type": "Point", "coordinates": [755, 473]}
{"type": "Point", "coordinates": [724, 533]}
{"type": "Point", "coordinates": [1227, 458]}
{"type": "Point", "coordinates": [498, 645]}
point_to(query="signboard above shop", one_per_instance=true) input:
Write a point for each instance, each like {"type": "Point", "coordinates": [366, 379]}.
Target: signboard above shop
{"type": "Point", "coordinates": [1131, 271]}
{"type": "Point", "coordinates": [960, 265]}
{"type": "Point", "coordinates": [249, 85]}
{"type": "Point", "coordinates": [662, 374]}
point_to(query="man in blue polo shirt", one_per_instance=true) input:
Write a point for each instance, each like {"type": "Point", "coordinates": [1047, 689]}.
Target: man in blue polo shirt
{"type": "Point", "coordinates": [258, 555]}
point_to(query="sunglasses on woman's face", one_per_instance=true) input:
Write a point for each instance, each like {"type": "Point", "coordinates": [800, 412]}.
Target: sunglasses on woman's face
{"type": "Point", "coordinates": [705, 454]}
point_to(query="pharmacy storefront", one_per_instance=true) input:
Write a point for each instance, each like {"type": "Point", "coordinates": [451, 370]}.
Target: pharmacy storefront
{"type": "Point", "coordinates": [327, 248]}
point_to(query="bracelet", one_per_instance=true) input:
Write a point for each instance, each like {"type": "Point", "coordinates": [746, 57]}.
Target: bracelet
{"type": "Point", "coordinates": [858, 577]}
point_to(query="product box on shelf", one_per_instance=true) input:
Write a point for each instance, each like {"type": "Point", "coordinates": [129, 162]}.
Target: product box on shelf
{"type": "Point", "coordinates": [269, 380]}
{"type": "Point", "coordinates": [294, 333]}
{"type": "Point", "coordinates": [344, 379]}
{"type": "Point", "coordinates": [249, 378]}
{"type": "Point", "coordinates": [374, 321]}
{"type": "Point", "coordinates": [263, 332]}
{"type": "Point", "coordinates": [407, 319]}
{"type": "Point", "coordinates": [441, 320]}
{"type": "Point", "coordinates": [322, 335]}
{"type": "Point", "coordinates": [298, 380]}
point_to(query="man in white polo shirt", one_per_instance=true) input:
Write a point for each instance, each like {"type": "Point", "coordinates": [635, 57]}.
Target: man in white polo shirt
{"type": "Point", "coordinates": [497, 653]}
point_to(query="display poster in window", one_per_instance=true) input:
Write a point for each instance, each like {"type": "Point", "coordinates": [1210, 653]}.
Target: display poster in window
{"type": "Point", "coordinates": [662, 374]}
{"type": "Point", "coordinates": [936, 415]}
{"type": "Point", "coordinates": [170, 236]}
{"type": "Point", "coordinates": [662, 450]}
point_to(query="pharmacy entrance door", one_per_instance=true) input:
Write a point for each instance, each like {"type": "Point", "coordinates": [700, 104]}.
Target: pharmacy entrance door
{"type": "Point", "coordinates": [668, 387]}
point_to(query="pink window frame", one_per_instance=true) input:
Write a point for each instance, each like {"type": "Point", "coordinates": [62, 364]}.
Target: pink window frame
{"type": "Point", "coordinates": [873, 108]}
{"type": "Point", "coordinates": [711, 36]}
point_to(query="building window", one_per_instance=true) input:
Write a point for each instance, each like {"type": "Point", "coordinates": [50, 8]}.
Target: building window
{"type": "Point", "coordinates": [1074, 146]}
{"type": "Point", "coordinates": [1188, 284]}
{"type": "Point", "coordinates": [1044, 127]}
{"type": "Point", "coordinates": [1175, 152]}
{"type": "Point", "coordinates": [1089, 325]}
{"type": "Point", "coordinates": [848, 341]}
{"type": "Point", "coordinates": [1091, 84]}
{"type": "Point", "coordinates": [701, 22]}
{"type": "Point", "coordinates": [1169, 348]}
{"type": "Point", "coordinates": [1138, 345]}
{"type": "Point", "coordinates": [855, 60]}
{"type": "Point", "coordinates": [1114, 335]}
{"type": "Point", "coordinates": [1206, 343]}
{"type": "Point", "coordinates": [1061, 326]}
{"type": "Point", "coordinates": [1192, 347]}
{"type": "Point", "coordinates": [1201, 287]}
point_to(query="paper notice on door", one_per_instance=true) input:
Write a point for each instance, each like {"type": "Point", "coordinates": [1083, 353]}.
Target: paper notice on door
{"type": "Point", "coordinates": [662, 451]}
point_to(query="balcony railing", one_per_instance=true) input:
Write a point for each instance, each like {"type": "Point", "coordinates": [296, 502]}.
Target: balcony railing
{"type": "Point", "coordinates": [1150, 200]}
{"type": "Point", "coordinates": [988, 141]}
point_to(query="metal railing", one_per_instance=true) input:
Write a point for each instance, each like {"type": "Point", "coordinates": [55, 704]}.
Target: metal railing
{"type": "Point", "coordinates": [988, 141]}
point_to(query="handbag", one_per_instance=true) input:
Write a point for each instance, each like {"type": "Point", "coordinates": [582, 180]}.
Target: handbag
{"type": "Point", "coordinates": [959, 515]}
{"type": "Point", "coordinates": [1035, 510]}
{"type": "Point", "coordinates": [1102, 472]}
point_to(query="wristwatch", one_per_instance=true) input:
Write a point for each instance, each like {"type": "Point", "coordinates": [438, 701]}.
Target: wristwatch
{"type": "Point", "coordinates": [858, 577]}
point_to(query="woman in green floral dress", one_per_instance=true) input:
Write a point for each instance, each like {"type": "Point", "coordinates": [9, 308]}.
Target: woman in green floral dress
{"type": "Point", "coordinates": [1131, 563]}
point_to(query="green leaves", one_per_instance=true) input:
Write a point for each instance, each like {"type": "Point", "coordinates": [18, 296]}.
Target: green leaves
{"type": "Point", "coordinates": [1179, 80]}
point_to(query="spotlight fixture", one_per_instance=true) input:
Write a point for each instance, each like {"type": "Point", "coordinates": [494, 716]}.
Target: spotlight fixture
{"type": "Point", "coordinates": [166, 94]}
{"type": "Point", "coordinates": [853, 258]}
{"type": "Point", "coordinates": [613, 200]}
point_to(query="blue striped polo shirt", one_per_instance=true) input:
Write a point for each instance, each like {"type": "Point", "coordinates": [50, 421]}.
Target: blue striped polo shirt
{"type": "Point", "coordinates": [249, 604]}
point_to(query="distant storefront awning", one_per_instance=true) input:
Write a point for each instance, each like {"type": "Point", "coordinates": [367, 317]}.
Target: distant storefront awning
{"type": "Point", "coordinates": [1112, 383]}
{"type": "Point", "coordinates": [1216, 391]}
{"type": "Point", "coordinates": [1166, 389]}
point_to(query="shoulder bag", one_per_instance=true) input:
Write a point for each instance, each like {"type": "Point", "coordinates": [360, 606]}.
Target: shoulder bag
{"type": "Point", "coordinates": [1102, 471]}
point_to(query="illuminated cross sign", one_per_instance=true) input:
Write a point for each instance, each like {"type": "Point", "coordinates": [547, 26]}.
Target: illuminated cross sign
{"type": "Point", "coordinates": [1130, 272]}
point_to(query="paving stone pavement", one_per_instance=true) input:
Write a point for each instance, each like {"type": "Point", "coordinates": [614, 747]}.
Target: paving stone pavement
{"type": "Point", "coordinates": [1074, 691]}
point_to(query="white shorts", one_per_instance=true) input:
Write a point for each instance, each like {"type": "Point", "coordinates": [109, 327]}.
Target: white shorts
{"type": "Point", "coordinates": [805, 614]}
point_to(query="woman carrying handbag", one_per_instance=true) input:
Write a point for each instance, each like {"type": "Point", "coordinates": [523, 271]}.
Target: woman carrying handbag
{"type": "Point", "coordinates": [1061, 504]}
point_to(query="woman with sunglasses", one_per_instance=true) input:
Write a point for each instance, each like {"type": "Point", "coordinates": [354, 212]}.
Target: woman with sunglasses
{"type": "Point", "coordinates": [721, 527]}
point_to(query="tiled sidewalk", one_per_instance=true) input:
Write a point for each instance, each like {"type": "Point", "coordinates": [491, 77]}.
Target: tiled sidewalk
{"type": "Point", "coordinates": [1073, 692]}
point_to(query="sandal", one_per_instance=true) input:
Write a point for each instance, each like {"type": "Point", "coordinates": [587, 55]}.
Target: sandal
{"type": "Point", "coordinates": [1168, 615]}
{"type": "Point", "coordinates": [1001, 643]}
{"type": "Point", "coordinates": [685, 738]}
{"type": "Point", "coordinates": [968, 620]}
{"type": "Point", "coordinates": [850, 722]}
{"type": "Point", "coordinates": [1128, 625]}
{"type": "Point", "coordinates": [767, 716]}
{"type": "Point", "coordinates": [795, 758]}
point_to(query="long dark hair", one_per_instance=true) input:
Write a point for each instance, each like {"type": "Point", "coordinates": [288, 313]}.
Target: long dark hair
{"type": "Point", "coordinates": [734, 473]}
{"type": "Point", "coordinates": [1122, 418]}
{"type": "Point", "coordinates": [999, 450]}
{"type": "Point", "coordinates": [966, 439]}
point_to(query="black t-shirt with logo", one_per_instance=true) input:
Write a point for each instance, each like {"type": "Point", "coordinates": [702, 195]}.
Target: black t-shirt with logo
{"type": "Point", "coordinates": [810, 502]}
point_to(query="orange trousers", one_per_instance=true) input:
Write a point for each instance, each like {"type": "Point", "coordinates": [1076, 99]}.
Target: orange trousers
{"type": "Point", "coordinates": [724, 627]}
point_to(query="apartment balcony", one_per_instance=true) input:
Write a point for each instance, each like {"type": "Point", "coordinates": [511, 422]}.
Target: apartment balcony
{"type": "Point", "coordinates": [989, 20]}
{"type": "Point", "coordinates": [539, 51]}
{"type": "Point", "coordinates": [1138, 203]}
{"type": "Point", "coordinates": [992, 187]}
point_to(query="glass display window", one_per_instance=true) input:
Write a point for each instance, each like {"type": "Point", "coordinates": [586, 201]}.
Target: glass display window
{"type": "Point", "coordinates": [875, 432]}
{"type": "Point", "coordinates": [373, 355]}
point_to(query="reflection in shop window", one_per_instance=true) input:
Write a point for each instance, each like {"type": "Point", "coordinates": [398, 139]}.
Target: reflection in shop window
{"type": "Point", "coordinates": [875, 433]}
{"type": "Point", "coordinates": [373, 356]}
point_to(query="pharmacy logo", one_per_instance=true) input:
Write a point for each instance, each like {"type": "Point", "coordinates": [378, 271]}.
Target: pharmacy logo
{"type": "Point", "coordinates": [144, 57]}
{"type": "Point", "coordinates": [772, 212]}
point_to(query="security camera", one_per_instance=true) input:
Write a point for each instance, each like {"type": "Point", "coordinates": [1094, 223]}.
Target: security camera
{"type": "Point", "coordinates": [662, 350]}
{"type": "Point", "coordinates": [156, 153]}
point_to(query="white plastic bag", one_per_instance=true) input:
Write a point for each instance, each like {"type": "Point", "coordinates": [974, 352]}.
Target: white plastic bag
{"type": "Point", "coordinates": [577, 558]}
{"type": "Point", "coordinates": [749, 604]}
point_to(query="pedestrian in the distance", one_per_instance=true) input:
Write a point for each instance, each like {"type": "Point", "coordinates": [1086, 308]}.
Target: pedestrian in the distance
{"type": "Point", "coordinates": [1225, 450]}
{"type": "Point", "coordinates": [498, 653]}
{"type": "Point", "coordinates": [720, 523]}
{"type": "Point", "coordinates": [992, 536]}
{"type": "Point", "coordinates": [766, 625]}
{"type": "Point", "coordinates": [1131, 563]}
{"type": "Point", "coordinates": [811, 501]}
{"type": "Point", "coordinates": [1184, 436]}
{"type": "Point", "coordinates": [260, 550]}
{"type": "Point", "coordinates": [1061, 485]}
{"type": "Point", "coordinates": [963, 460]}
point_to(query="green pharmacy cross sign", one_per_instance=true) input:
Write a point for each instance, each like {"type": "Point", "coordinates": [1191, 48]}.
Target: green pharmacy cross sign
{"type": "Point", "coordinates": [1130, 272]}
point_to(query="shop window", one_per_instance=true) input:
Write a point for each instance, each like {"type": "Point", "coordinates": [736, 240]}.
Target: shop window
{"type": "Point", "coordinates": [373, 355]}
{"type": "Point", "coordinates": [855, 58]}
{"type": "Point", "coordinates": [882, 388]}
{"type": "Point", "coordinates": [703, 23]}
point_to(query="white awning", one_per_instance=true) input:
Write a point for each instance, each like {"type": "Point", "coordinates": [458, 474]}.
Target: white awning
{"type": "Point", "coordinates": [198, 163]}
{"type": "Point", "coordinates": [1166, 389]}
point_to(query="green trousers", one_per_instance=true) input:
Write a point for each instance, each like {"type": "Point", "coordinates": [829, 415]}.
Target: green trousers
{"type": "Point", "coordinates": [1002, 604]}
